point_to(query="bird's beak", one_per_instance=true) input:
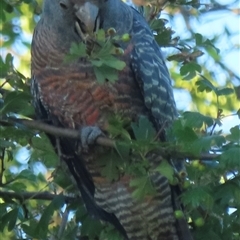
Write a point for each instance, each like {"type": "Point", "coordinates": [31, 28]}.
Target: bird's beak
{"type": "Point", "coordinates": [88, 20]}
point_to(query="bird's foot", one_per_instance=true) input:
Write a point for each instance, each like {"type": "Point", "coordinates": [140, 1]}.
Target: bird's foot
{"type": "Point", "coordinates": [88, 136]}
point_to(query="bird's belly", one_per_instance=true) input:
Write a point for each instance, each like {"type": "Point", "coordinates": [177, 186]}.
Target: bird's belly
{"type": "Point", "coordinates": [77, 99]}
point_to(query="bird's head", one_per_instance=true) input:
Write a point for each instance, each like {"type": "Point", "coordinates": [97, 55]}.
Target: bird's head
{"type": "Point", "coordinates": [88, 17]}
{"type": "Point", "coordinates": [83, 15]}
{"type": "Point", "coordinates": [91, 15]}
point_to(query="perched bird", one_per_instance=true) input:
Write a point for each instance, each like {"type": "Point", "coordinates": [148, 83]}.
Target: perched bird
{"type": "Point", "coordinates": [67, 94]}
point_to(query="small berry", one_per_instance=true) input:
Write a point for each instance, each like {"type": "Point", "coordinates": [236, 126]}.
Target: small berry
{"type": "Point", "coordinates": [186, 184]}
{"type": "Point", "coordinates": [201, 167]}
{"type": "Point", "coordinates": [178, 214]}
{"type": "Point", "coordinates": [125, 37]}
{"type": "Point", "coordinates": [195, 163]}
{"type": "Point", "coordinates": [199, 222]}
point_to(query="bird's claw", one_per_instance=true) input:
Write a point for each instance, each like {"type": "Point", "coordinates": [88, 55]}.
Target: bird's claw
{"type": "Point", "coordinates": [88, 136]}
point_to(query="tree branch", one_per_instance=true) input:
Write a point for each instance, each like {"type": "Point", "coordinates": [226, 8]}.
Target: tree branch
{"type": "Point", "coordinates": [32, 195]}
{"type": "Point", "coordinates": [103, 141]}
{"type": "Point", "coordinates": [56, 131]}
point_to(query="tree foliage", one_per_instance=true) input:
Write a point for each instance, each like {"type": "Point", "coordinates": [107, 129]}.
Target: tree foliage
{"type": "Point", "coordinates": [37, 198]}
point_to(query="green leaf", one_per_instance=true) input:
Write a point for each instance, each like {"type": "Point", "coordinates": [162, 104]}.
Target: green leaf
{"type": "Point", "coordinates": [189, 70]}
{"type": "Point", "coordinates": [110, 171]}
{"type": "Point", "coordinates": [157, 24]}
{"type": "Point", "coordinates": [225, 192]}
{"type": "Point", "coordinates": [76, 51]}
{"type": "Point", "coordinates": [6, 144]}
{"type": "Point", "coordinates": [230, 158]}
{"type": "Point", "coordinates": [81, 213]}
{"type": "Point", "coordinates": [238, 113]}
{"type": "Point", "coordinates": [97, 63]}
{"type": "Point", "coordinates": [9, 219]}
{"type": "Point", "coordinates": [7, 7]}
{"type": "Point", "coordinates": [26, 174]}
{"type": "Point", "coordinates": [196, 197]}
{"type": "Point", "coordinates": [6, 66]}
{"type": "Point", "coordinates": [198, 39]}
{"type": "Point", "coordinates": [88, 224]}
{"type": "Point", "coordinates": [143, 187]}
{"type": "Point", "coordinates": [17, 186]}
{"type": "Point", "coordinates": [100, 35]}
{"type": "Point", "coordinates": [117, 127]}
{"type": "Point", "coordinates": [205, 143]}
{"type": "Point", "coordinates": [17, 102]}
{"type": "Point", "coordinates": [235, 134]}
{"type": "Point", "coordinates": [123, 149]}
{"type": "Point", "coordinates": [62, 180]}
{"type": "Point", "coordinates": [13, 216]}
{"type": "Point", "coordinates": [210, 44]}
{"type": "Point", "coordinates": [164, 36]}
{"type": "Point", "coordinates": [9, 59]}
{"type": "Point", "coordinates": [105, 73]}
{"type": "Point", "coordinates": [42, 143]}
{"type": "Point", "coordinates": [113, 62]}
{"type": "Point", "coordinates": [196, 120]}
{"type": "Point", "coordinates": [3, 209]}
{"type": "Point", "coordinates": [224, 91]}
{"type": "Point", "coordinates": [30, 229]}
{"type": "Point", "coordinates": [166, 170]}
{"type": "Point", "coordinates": [50, 159]}
{"type": "Point", "coordinates": [144, 129]}
{"type": "Point", "coordinates": [42, 226]}
{"type": "Point", "coordinates": [183, 133]}
{"type": "Point", "coordinates": [110, 232]}
{"type": "Point", "coordinates": [110, 165]}
{"type": "Point", "coordinates": [205, 85]}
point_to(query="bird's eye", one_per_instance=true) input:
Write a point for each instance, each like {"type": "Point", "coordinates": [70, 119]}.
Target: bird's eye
{"type": "Point", "coordinates": [63, 4]}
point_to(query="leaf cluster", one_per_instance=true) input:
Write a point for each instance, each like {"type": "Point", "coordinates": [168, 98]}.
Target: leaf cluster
{"type": "Point", "coordinates": [102, 50]}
